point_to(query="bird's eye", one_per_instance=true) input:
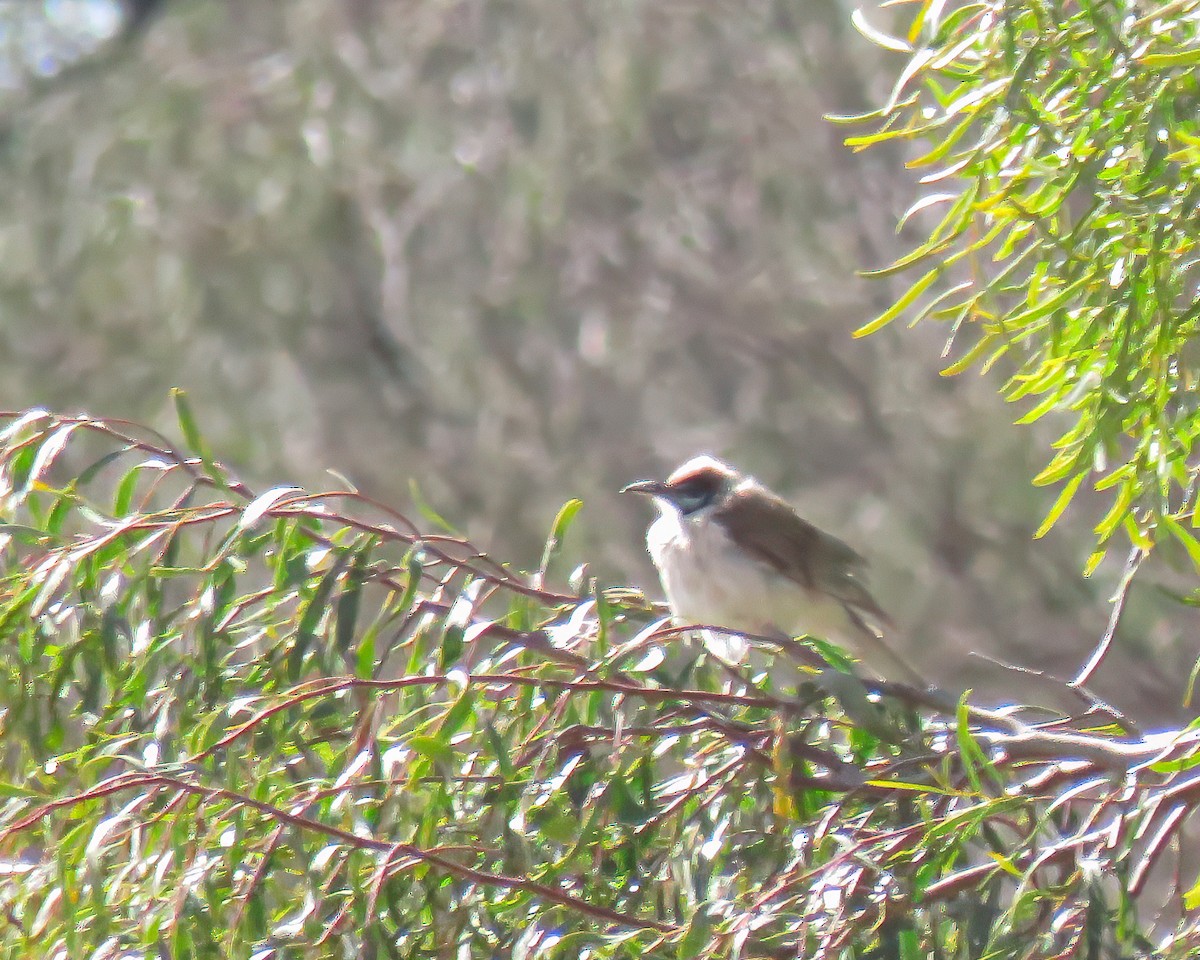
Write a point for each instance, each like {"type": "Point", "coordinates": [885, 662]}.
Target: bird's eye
{"type": "Point", "coordinates": [693, 496]}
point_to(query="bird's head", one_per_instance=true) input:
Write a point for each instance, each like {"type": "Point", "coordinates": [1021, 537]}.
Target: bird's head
{"type": "Point", "coordinates": [699, 483]}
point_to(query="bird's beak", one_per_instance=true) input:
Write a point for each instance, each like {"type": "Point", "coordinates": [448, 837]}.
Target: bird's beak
{"type": "Point", "coordinates": [651, 488]}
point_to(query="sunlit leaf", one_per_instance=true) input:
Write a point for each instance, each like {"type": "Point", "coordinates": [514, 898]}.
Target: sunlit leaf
{"type": "Point", "coordinates": [1060, 504]}
{"type": "Point", "coordinates": [900, 305]}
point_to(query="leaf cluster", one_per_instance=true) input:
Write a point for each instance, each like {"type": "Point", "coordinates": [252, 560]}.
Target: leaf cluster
{"type": "Point", "coordinates": [1060, 144]}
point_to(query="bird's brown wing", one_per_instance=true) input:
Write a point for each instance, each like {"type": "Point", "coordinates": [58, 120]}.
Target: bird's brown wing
{"type": "Point", "coordinates": [767, 527]}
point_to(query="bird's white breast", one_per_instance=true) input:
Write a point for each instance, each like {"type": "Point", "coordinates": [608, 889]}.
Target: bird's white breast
{"type": "Point", "coordinates": [708, 579]}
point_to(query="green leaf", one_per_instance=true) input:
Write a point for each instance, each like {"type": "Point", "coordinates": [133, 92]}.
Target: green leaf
{"type": "Point", "coordinates": [1093, 562]}
{"type": "Point", "coordinates": [1125, 496]}
{"type": "Point", "coordinates": [962, 363]}
{"type": "Point", "coordinates": [1185, 538]}
{"type": "Point", "coordinates": [48, 451]}
{"type": "Point", "coordinates": [1048, 403]}
{"type": "Point", "coordinates": [1177, 764]}
{"type": "Point", "coordinates": [123, 498]}
{"type": "Point", "coordinates": [364, 657]}
{"type": "Point", "coordinates": [434, 748]}
{"type": "Point", "coordinates": [1062, 464]}
{"type": "Point", "coordinates": [900, 305]}
{"type": "Point", "coordinates": [931, 308]}
{"type": "Point", "coordinates": [350, 600]}
{"type": "Point", "coordinates": [30, 536]}
{"type": "Point", "coordinates": [314, 611]}
{"type": "Point", "coordinates": [16, 791]}
{"type": "Point", "coordinates": [918, 62]}
{"type": "Point", "coordinates": [877, 36]}
{"type": "Point", "coordinates": [459, 713]}
{"type": "Point", "coordinates": [913, 257]}
{"type": "Point", "coordinates": [1064, 498]}
{"type": "Point", "coordinates": [696, 937]}
{"type": "Point", "coordinates": [187, 424]}
{"type": "Point", "coordinates": [451, 648]}
{"type": "Point", "coordinates": [970, 754]}
{"type": "Point", "coordinates": [562, 523]}
{"type": "Point", "coordinates": [1123, 473]}
{"type": "Point", "coordinates": [923, 788]}
{"type": "Point", "coordinates": [426, 510]}
{"type": "Point", "coordinates": [1051, 303]}
{"type": "Point", "coordinates": [1182, 58]}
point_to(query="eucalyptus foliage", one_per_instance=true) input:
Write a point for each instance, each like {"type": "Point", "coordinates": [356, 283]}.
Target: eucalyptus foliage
{"type": "Point", "coordinates": [1060, 144]}
{"type": "Point", "coordinates": [291, 724]}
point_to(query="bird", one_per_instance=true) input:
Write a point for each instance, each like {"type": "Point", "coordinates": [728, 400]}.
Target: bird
{"type": "Point", "coordinates": [732, 554]}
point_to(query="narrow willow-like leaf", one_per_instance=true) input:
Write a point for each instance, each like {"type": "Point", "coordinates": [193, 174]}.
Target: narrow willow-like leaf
{"type": "Point", "coordinates": [931, 308]}
{"type": "Point", "coordinates": [1053, 302]}
{"type": "Point", "coordinates": [1094, 560]}
{"type": "Point", "coordinates": [1050, 402]}
{"type": "Point", "coordinates": [919, 255]}
{"type": "Point", "coordinates": [1117, 512]}
{"type": "Point", "coordinates": [900, 305]}
{"type": "Point", "coordinates": [1058, 468]}
{"type": "Point", "coordinates": [1182, 58]}
{"type": "Point", "coordinates": [315, 610]}
{"type": "Point", "coordinates": [1064, 499]}
{"type": "Point", "coordinates": [916, 63]}
{"type": "Point", "coordinates": [980, 347]}
{"type": "Point", "coordinates": [1186, 539]}
{"type": "Point", "coordinates": [972, 757]}
{"type": "Point", "coordinates": [947, 143]}
{"type": "Point", "coordinates": [558, 531]}
{"type": "Point", "coordinates": [258, 508]}
{"type": "Point", "coordinates": [426, 510]}
{"type": "Point", "coordinates": [877, 36]}
{"type": "Point", "coordinates": [924, 203]}
{"type": "Point", "coordinates": [349, 599]}
{"type": "Point", "coordinates": [187, 423]}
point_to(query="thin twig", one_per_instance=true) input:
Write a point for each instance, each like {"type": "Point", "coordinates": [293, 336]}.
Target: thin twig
{"type": "Point", "coordinates": [1076, 689]}
{"type": "Point", "coordinates": [1132, 562]}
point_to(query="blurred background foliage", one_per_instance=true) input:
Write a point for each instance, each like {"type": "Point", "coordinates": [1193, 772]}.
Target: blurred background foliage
{"type": "Point", "coordinates": [523, 252]}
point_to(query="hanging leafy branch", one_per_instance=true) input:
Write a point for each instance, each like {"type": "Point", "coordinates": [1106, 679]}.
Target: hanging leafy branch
{"type": "Point", "coordinates": [1060, 142]}
{"type": "Point", "coordinates": [292, 724]}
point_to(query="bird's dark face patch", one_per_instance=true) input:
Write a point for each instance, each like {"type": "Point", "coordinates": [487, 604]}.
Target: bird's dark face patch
{"type": "Point", "coordinates": [697, 490]}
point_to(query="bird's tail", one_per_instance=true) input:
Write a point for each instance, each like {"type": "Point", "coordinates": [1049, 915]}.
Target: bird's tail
{"type": "Point", "coordinates": [879, 656]}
